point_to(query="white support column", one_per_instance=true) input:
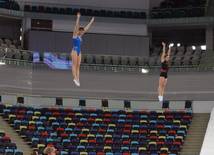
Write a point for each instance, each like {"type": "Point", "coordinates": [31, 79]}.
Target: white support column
{"type": "Point", "coordinates": [26, 24]}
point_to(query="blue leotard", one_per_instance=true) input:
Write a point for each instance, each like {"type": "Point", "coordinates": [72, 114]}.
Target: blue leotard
{"type": "Point", "coordinates": [76, 44]}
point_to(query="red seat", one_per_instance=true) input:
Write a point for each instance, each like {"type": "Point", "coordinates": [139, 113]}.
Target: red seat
{"type": "Point", "coordinates": [106, 121]}
{"type": "Point", "coordinates": [127, 126]}
{"type": "Point", "coordinates": [143, 132]}
{"type": "Point", "coordinates": [31, 128]}
{"type": "Point", "coordinates": [187, 117]}
{"type": "Point", "coordinates": [181, 113]}
{"type": "Point", "coordinates": [22, 111]}
{"type": "Point", "coordinates": [56, 114]}
{"type": "Point", "coordinates": [91, 120]}
{"type": "Point", "coordinates": [68, 110]}
{"type": "Point", "coordinates": [172, 132]}
{"type": "Point", "coordinates": [102, 131]}
{"type": "Point", "coordinates": [100, 153]}
{"type": "Point", "coordinates": [82, 135]}
{"type": "Point", "coordinates": [126, 153]}
{"type": "Point", "coordinates": [45, 134]}
{"type": "Point", "coordinates": [126, 131]}
{"type": "Point", "coordinates": [91, 110]}
{"type": "Point", "coordinates": [166, 113]}
{"type": "Point", "coordinates": [19, 117]}
{"type": "Point", "coordinates": [79, 125]}
{"type": "Point", "coordinates": [126, 143]}
{"type": "Point", "coordinates": [169, 117]}
{"type": "Point", "coordinates": [160, 127]}
{"type": "Point", "coordinates": [58, 129]}
{"type": "Point", "coordinates": [177, 143]}
{"type": "Point", "coordinates": [153, 138]}
{"type": "Point", "coordinates": [143, 113]}
{"type": "Point", "coordinates": [49, 145]}
{"type": "Point", "coordinates": [160, 143]}
{"type": "Point", "coordinates": [71, 115]}
{"type": "Point", "coordinates": [109, 141]}
{"type": "Point", "coordinates": [129, 116]}
{"type": "Point", "coordinates": [5, 137]}
{"type": "Point", "coordinates": [108, 116]}
{"type": "Point", "coordinates": [53, 109]}
{"type": "Point", "coordinates": [64, 135]}
{"type": "Point", "coordinates": [92, 142]}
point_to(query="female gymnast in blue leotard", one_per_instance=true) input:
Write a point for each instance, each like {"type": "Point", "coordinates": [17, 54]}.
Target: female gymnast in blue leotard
{"type": "Point", "coordinates": [76, 51]}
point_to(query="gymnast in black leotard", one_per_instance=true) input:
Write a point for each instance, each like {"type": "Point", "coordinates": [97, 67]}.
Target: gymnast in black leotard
{"type": "Point", "coordinates": [163, 75]}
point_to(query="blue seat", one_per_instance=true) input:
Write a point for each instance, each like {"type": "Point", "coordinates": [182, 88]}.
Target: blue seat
{"type": "Point", "coordinates": [122, 116]}
{"type": "Point", "coordinates": [37, 134]}
{"type": "Point", "coordinates": [37, 109]}
{"type": "Point", "coordinates": [29, 108]}
{"type": "Point", "coordinates": [110, 131]}
{"type": "Point", "coordinates": [136, 112]}
{"type": "Point", "coordinates": [142, 138]}
{"type": "Point", "coordinates": [170, 137]}
{"type": "Point", "coordinates": [43, 118]}
{"type": "Point", "coordinates": [68, 129]}
{"type": "Point", "coordinates": [109, 153]}
{"type": "Point", "coordinates": [49, 140]}
{"type": "Point", "coordinates": [95, 125]}
{"type": "Point", "coordinates": [8, 151]}
{"type": "Point", "coordinates": [85, 115]}
{"type": "Point", "coordinates": [99, 136]}
{"type": "Point", "coordinates": [68, 11]}
{"type": "Point", "coordinates": [121, 121]}
{"type": "Point", "coordinates": [152, 122]}
{"type": "Point", "coordinates": [73, 135]}
{"type": "Point", "coordinates": [80, 147]}
{"type": "Point", "coordinates": [92, 153]}
{"type": "Point", "coordinates": [63, 152]}
{"type": "Point", "coordinates": [84, 110]}
{"type": "Point", "coordinates": [29, 112]}
{"type": "Point", "coordinates": [34, 139]}
{"type": "Point", "coordinates": [93, 115]}
{"type": "Point", "coordinates": [116, 137]}
{"type": "Point", "coordinates": [113, 111]}
{"type": "Point", "coordinates": [53, 134]}
{"type": "Point", "coordinates": [15, 107]}
{"type": "Point", "coordinates": [123, 14]}
{"type": "Point", "coordinates": [2, 4]}
{"type": "Point", "coordinates": [55, 9]}
{"type": "Point", "coordinates": [144, 116]}
{"type": "Point", "coordinates": [17, 121]}
{"type": "Point", "coordinates": [124, 137]}
{"type": "Point", "coordinates": [74, 153]}
{"type": "Point", "coordinates": [6, 110]}
{"type": "Point", "coordinates": [57, 141]}
{"type": "Point", "coordinates": [39, 123]}
{"type": "Point", "coordinates": [143, 15]}
{"type": "Point", "coordinates": [75, 11]}
{"type": "Point", "coordinates": [103, 126]}
{"type": "Point", "coordinates": [118, 154]}
{"type": "Point", "coordinates": [40, 128]}
{"type": "Point", "coordinates": [124, 149]}
{"type": "Point", "coordinates": [134, 153]}
{"type": "Point", "coordinates": [188, 112]}
{"type": "Point", "coordinates": [134, 143]}
{"type": "Point", "coordinates": [143, 127]}
{"type": "Point", "coordinates": [163, 133]}
{"type": "Point", "coordinates": [129, 121]}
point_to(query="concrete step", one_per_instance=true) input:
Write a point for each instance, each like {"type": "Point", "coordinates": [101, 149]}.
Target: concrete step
{"type": "Point", "coordinates": [195, 135]}
{"type": "Point", "coordinates": [15, 137]}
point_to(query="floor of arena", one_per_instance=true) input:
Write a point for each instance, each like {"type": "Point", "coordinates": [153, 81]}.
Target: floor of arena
{"type": "Point", "coordinates": [98, 84]}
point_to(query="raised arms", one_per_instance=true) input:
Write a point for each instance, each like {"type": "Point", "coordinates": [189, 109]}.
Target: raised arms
{"type": "Point", "coordinates": [164, 53]}
{"type": "Point", "coordinates": [89, 24]}
{"type": "Point", "coordinates": [76, 26]}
